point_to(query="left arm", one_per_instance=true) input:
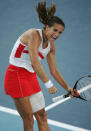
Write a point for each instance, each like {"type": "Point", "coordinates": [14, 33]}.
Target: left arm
{"type": "Point", "coordinates": [53, 68]}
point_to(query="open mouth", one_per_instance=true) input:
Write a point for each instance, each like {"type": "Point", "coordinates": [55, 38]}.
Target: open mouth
{"type": "Point", "coordinates": [53, 37]}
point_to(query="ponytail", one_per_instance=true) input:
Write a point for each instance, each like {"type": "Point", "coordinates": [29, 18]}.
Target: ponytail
{"type": "Point", "coordinates": [44, 13]}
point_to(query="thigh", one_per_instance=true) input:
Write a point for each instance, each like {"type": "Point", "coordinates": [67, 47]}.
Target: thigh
{"type": "Point", "coordinates": [37, 101]}
{"type": "Point", "coordinates": [23, 106]}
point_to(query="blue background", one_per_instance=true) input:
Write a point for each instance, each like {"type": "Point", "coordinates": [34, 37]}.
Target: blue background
{"type": "Point", "coordinates": [73, 51]}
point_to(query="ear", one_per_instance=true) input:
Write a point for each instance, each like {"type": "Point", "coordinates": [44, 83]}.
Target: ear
{"type": "Point", "coordinates": [47, 27]}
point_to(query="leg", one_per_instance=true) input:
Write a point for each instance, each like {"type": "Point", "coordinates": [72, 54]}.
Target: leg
{"type": "Point", "coordinates": [41, 118]}
{"type": "Point", "coordinates": [25, 110]}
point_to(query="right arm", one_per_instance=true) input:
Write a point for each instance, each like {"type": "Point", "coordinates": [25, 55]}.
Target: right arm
{"type": "Point", "coordinates": [33, 45]}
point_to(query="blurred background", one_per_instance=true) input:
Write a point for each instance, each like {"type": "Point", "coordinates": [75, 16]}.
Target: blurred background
{"type": "Point", "coordinates": [73, 51]}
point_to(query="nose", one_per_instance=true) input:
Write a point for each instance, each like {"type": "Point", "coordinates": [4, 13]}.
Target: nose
{"type": "Point", "coordinates": [57, 34]}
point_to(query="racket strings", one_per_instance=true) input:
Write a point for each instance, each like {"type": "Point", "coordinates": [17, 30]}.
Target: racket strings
{"type": "Point", "coordinates": [83, 83]}
{"type": "Point", "coordinates": [83, 95]}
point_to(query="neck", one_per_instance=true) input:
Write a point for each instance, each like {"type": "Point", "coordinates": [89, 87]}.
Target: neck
{"type": "Point", "coordinates": [44, 36]}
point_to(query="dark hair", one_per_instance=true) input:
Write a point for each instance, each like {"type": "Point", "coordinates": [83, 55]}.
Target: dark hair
{"type": "Point", "coordinates": [46, 15]}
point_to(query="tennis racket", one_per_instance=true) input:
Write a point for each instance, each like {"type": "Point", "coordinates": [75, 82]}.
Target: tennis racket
{"type": "Point", "coordinates": [82, 90]}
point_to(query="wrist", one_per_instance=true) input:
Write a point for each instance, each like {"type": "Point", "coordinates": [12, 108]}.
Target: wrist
{"type": "Point", "coordinates": [69, 89]}
{"type": "Point", "coordinates": [48, 84]}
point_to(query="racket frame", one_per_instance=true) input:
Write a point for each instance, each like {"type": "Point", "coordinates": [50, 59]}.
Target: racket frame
{"type": "Point", "coordinates": [74, 88]}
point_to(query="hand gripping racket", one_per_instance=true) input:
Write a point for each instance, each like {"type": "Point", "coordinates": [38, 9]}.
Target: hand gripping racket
{"type": "Point", "coordinates": [82, 89]}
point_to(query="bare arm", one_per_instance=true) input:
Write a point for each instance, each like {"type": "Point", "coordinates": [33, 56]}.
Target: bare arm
{"type": "Point", "coordinates": [53, 68]}
{"type": "Point", "coordinates": [33, 44]}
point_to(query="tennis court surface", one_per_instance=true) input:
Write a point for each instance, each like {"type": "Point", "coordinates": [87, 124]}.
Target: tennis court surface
{"type": "Point", "coordinates": [73, 58]}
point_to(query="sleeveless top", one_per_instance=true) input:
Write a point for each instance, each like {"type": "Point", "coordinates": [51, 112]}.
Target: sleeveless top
{"type": "Point", "coordinates": [19, 56]}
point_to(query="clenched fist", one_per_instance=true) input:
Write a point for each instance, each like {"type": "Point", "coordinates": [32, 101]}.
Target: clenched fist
{"type": "Point", "coordinates": [52, 90]}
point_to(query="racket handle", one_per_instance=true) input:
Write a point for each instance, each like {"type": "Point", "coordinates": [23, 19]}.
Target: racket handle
{"type": "Point", "coordinates": [55, 99]}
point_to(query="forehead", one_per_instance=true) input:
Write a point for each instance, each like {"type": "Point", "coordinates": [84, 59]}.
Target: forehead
{"type": "Point", "coordinates": [58, 26]}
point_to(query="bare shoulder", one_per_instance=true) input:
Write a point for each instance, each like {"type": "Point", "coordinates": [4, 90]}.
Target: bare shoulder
{"type": "Point", "coordinates": [31, 34]}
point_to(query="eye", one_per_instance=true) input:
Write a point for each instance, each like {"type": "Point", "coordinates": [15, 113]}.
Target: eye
{"type": "Point", "coordinates": [60, 32]}
{"type": "Point", "coordinates": [55, 30]}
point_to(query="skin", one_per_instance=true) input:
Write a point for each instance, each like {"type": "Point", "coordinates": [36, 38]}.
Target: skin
{"type": "Point", "coordinates": [23, 105]}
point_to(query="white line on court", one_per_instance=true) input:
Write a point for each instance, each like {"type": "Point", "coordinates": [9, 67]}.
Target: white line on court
{"type": "Point", "coordinates": [66, 126]}
{"type": "Point", "coordinates": [51, 122]}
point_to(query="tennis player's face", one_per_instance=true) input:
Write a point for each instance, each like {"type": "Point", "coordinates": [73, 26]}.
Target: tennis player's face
{"type": "Point", "coordinates": [54, 32]}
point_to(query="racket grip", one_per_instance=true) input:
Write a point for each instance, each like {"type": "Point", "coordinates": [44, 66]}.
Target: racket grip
{"type": "Point", "coordinates": [55, 99]}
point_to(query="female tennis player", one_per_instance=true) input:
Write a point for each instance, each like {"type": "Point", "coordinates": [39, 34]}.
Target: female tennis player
{"type": "Point", "coordinates": [20, 78]}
